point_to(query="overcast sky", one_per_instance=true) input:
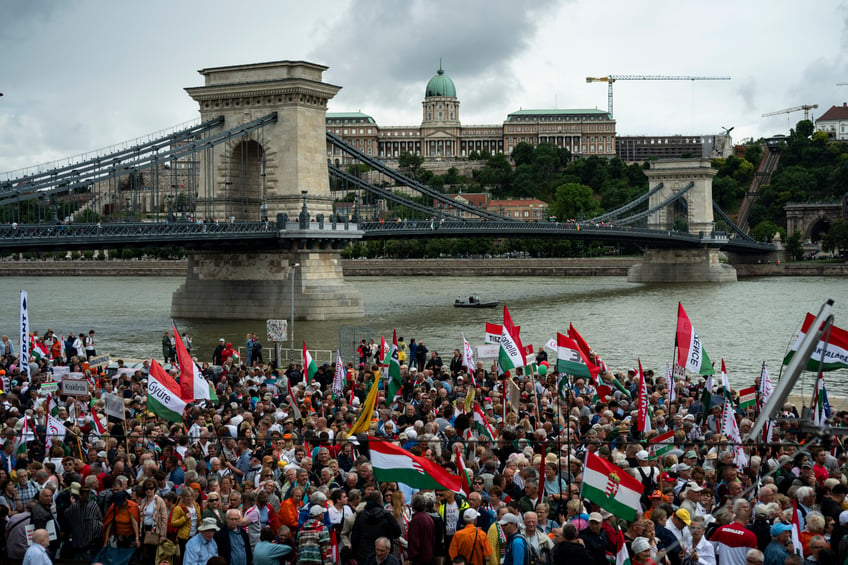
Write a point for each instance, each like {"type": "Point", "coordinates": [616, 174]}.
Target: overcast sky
{"type": "Point", "coordinates": [81, 75]}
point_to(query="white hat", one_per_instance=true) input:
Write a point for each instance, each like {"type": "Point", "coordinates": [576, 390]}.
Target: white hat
{"type": "Point", "coordinates": [208, 524]}
{"type": "Point", "coordinates": [411, 434]}
{"type": "Point", "coordinates": [509, 519]}
{"type": "Point", "coordinates": [642, 455]}
{"type": "Point", "coordinates": [641, 544]}
{"type": "Point", "coordinates": [316, 510]}
{"type": "Point", "coordinates": [470, 515]}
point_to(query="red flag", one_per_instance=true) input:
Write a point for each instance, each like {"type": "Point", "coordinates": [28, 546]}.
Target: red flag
{"type": "Point", "coordinates": [541, 480]}
{"type": "Point", "coordinates": [644, 419]}
{"type": "Point", "coordinates": [463, 474]}
{"type": "Point", "coordinates": [512, 329]}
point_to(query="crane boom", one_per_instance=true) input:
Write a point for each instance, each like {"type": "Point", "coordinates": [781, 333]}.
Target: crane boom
{"type": "Point", "coordinates": [805, 107]}
{"type": "Point", "coordinates": [610, 79]}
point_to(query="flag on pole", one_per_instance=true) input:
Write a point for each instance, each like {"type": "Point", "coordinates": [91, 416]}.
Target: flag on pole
{"type": "Point", "coordinates": [572, 360]}
{"type": "Point", "coordinates": [481, 423]}
{"type": "Point", "coordinates": [493, 333]}
{"type": "Point", "coordinates": [611, 488]}
{"type": "Point", "coordinates": [310, 369]}
{"type": "Point", "coordinates": [395, 382]}
{"type": "Point", "coordinates": [462, 471]}
{"type": "Point", "coordinates": [56, 431]}
{"type": "Point", "coordinates": [511, 354]}
{"type": "Point", "coordinates": [193, 385]}
{"type": "Point", "coordinates": [730, 430]}
{"type": "Point", "coordinates": [26, 435]}
{"type": "Point", "coordinates": [363, 423]}
{"type": "Point", "coordinates": [796, 529]}
{"type": "Point", "coordinates": [621, 555]}
{"type": "Point", "coordinates": [766, 388]}
{"type": "Point", "coordinates": [339, 377]}
{"type": "Point", "coordinates": [669, 382]}
{"type": "Point", "coordinates": [384, 351]}
{"type": "Point", "coordinates": [97, 427]}
{"type": "Point", "coordinates": [643, 417]}
{"type": "Point", "coordinates": [396, 465]}
{"type": "Point", "coordinates": [819, 413]}
{"type": "Point", "coordinates": [690, 350]}
{"type": "Point", "coordinates": [163, 394]}
{"type": "Point", "coordinates": [541, 494]}
{"type": "Point", "coordinates": [835, 352]}
{"type": "Point", "coordinates": [725, 383]}
{"type": "Point", "coordinates": [23, 356]}
{"type": "Point", "coordinates": [583, 346]}
{"type": "Point", "coordinates": [661, 444]}
{"type": "Point", "coordinates": [295, 409]}
{"type": "Point", "coordinates": [468, 360]}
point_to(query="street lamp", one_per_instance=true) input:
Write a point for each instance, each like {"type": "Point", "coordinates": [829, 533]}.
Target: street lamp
{"type": "Point", "coordinates": [291, 331]}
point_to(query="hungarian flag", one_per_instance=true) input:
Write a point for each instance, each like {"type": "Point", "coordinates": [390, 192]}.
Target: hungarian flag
{"type": "Point", "coordinates": [193, 385]}
{"type": "Point", "coordinates": [310, 369]}
{"type": "Point", "coordinates": [821, 407]}
{"type": "Point", "coordinates": [38, 349]}
{"type": "Point", "coordinates": [621, 555]}
{"type": "Point", "coordinates": [463, 473]}
{"type": "Point", "coordinates": [363, 423]}
{"type": "Point", "coordinates": [163, 394]}
{"type": "Point", "coordinates": [707, 397]}
{"type": "Point", "coordinates": [97, 427]}
{"type": "Point", "coordinates": [468, 360]}
{"type": "Point", "coordinates": [835, 352]}
{"type": "Point", "coordinates": [643, 417]}
{"type": "Point", "coordinates": [395, 381]}
{"type": "Point", "coordinates": [384, 351]}
{"type": "Point", "coordinates": [796, 529]}
{"type": "Point", "coordinates": [541, 494]}
{"type": "Point", "coordinates": [669, 382]}
{"type": "Point", "coordinates": [690, 350]}
{"type": "Point", "coordinates": [725, 383]}
{"type": "Point", "coordinates": [747, 397]}
{"type": "Point", "coordinates": [481, 423]}
{"type": "Point", "coordinates": [339, 377]}
{"type": "Point", "coordinates": [295, 409]}
{"type": "Point", "coordinates": [26, 436]}
{"type": "Point", "coordinates": [730, 430]}
{"type": "Point", "coordinates": [766, 388]}
{"type": "Point", "coordinates": [56, 431]}
{"type": "Point", "coordinates": [661, 444]}
{"type": "Point", "coordinates": [394, 464]}
{"type": "Point", "coordinates": [511, 353]}
{"type": "Point", "coordinates": [572, 360]}
{"type": "Point", "coordinates": [611, 488]}
{"type": "Point", "coordinates": [588, 354]}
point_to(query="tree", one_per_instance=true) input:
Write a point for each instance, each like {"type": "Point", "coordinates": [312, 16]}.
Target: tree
{"type": "Point", "coordinates": [836, 237]}
{"type": "Point", "coordinates": [794, 246]}
{"type": "Point", "coordinates": [522, 154]}
{"type": "Point", "coordinates": [411, 163]}
{"type": "Point", "coordinates": [765, 230]}
{"type": "Point", "coordinates": [573, 200]}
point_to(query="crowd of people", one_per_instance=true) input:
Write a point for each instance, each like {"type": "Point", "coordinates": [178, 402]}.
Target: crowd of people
{"type": "Point", "coordinates": [271, 474]}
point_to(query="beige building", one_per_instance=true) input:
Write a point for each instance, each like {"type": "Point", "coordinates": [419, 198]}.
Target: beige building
{"type": "Point", "coordinates": [441, 136]}
{"type": "Point", "coordinates": [523, 209]}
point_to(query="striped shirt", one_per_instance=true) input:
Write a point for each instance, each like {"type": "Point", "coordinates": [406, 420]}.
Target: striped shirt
{"type": "Point", "coordinates": [313, 543]}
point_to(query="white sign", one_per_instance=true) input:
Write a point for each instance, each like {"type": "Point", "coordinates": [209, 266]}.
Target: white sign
{"type": "Point", "coordinates": [488, 351]}
{"type": "Point", "coordinates": [58, 371]}
{"type": "Point", "coordinates": [49, 387]}
{"type": "Point", "coordinates": [74, 387]}
{"type": "Point", "coordinates": [551, 345]}
{"type": "Point", "coordinates": [125, 371]}
{"type": "Point", "coordinates": [277, 330]}
{"type": "Point", "coordinates": [101, 360]}
{"type": "Point", "coordinates": [114, 405]}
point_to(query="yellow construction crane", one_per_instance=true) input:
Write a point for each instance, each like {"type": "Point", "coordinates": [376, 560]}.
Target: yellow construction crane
{"type": "Point", "coordinates": [805, 107]}
{"type": "Point", "coordinates": [612, 78]}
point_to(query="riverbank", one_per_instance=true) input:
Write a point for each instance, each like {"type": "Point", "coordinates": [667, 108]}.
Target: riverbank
{"type": "Point", "coordinates": [558, 267]}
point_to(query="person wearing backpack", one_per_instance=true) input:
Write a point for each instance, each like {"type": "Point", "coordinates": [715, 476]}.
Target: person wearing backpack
{"type": "Point", "coordinates": [517, 548]}
{"type": "Point", "coordinates": [646, 474]}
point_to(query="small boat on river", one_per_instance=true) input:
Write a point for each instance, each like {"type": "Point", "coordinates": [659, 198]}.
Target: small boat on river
{"type": "Point", "coordinates": [475, 302]}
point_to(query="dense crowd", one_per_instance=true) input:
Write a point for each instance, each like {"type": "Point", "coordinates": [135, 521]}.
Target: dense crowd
{"type": "Point", "coordinates": [270, 474]}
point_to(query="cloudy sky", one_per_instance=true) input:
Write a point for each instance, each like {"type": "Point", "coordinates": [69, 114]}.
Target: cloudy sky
{"type": "Point", "coordinates": [82, 75]}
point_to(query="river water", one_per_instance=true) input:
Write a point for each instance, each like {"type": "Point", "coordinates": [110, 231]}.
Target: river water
{"type": "Point", "coordinates": [745, 323]}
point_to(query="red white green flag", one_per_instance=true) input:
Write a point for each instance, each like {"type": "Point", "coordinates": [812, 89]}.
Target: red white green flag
{"type": "Point", "coordinates": [97, 427]}
{"type": "Point", "coordinates": [310, 369]}
{"type": "Point", "coordinates": [611, 488]}
{"type": "Point", "coordinates": [643, 415]}
{"type": "Point", "coordinates": [835, 352]}
{"type": "Point", "coordinates": [193, 385]}
{"type": "Point", "coordinates": [725, 383]}
{"type": "Point", "coordinates": [690, 350]}
{"type": "Point", "coordinates": [339, 377]}
{"type": "Point", "coordinates": [396, 465]}
{"type": "Point", "coordinates": [588, 353]}
{"type": "Point", "coordinates": [747, 397]}
{"type": "Point", "coordinates": [621, 556]}
{"type": "Point", "coordinates": [511, 353]}
{"type": "Point", "coordinates": [661, 444]}
{"type": "Point", "coordinates": [26, 435]}
{"type": "Point", "coordinates": [468, 360]}
{"type": "Point", "coordinates": [463, 473]}
{"type": "Point", "coordinates": [571, 359]}
{"type": "Point", "coordinates": [163, 394]}
{"type": "Point", "coordinates": [481, 423]}
{"type": "Point", "coordinates": [819, 413]}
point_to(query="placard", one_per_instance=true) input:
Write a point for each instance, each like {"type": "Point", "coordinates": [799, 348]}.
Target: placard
{"type": "Point", "coordinates": [60, 370]}
{"type": "Point", "coordinates": [73, 387]}
{"type": "Point", "coordinates": [99, 360]}
{"type": "Point", "coordinates": [277, 330]}
{"type": "Point", "coordinates": [114, 405]}
{"type": "Point", "coordinates": [49, 387]}
{"type": "Point", "coordinates": [488, 351]}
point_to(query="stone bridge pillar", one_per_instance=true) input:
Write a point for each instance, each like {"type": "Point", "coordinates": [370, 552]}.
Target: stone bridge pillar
{"type": "Point", "coordinates": [279, 169]}
{"type": "Point", "coordinates": [700, 264]}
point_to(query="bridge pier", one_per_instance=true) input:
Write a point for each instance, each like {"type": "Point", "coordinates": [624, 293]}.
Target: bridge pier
{"type": "Point", "coordinates": [258, 286]}
{"type": "Point", "coordinates": [701, 264]}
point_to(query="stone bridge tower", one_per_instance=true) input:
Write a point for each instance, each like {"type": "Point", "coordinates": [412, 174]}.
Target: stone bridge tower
{"type": "Point", "coordinates": [278, 169]}
{"type": "Point", "coordinates": [701, 264]}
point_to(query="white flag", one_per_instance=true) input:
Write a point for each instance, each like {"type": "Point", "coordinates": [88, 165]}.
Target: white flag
{"type": "Point", "coordinates": [468, 360]}
{"type": "Point", "coordinates": [23, 358]}
{"type": "Point", "coordinates": [55, 431]}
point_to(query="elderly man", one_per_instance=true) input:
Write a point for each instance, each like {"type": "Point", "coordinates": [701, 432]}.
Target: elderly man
{"type": "Point", "coordinates": [202, 546]}
{"type": "Point", "coordinates": [594, 538]}
{"type": "Point", "coordinates": [776, 552]}
{"type": "Point", "coordinates": [732, 541]}
{"type": "Point", "coordinates": [233, 543]}
{"type": "Point", "coordinates": [37, 553]}
{"type": "Point", "coordinates": [470, 542]}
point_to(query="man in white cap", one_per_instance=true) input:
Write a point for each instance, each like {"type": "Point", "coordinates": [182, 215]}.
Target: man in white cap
{"type": "Point", "coordinates": [470, 542]}
{"type": "Point", "coordinates": [646, 474]}
{"type": "Point", "coordinates": [202, 546]}
{"type": "Point", "coordinates": [517, 549]}
{"type": "Point", "coordinates": [595, 539]}
{"type": "Point", "coordinates": [692, 500]}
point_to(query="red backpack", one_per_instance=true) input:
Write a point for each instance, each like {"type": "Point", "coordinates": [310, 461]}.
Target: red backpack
{"type": "Point", "coordinates": [173, 531]}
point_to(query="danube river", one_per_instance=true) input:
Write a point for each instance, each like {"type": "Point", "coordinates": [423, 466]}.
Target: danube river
{"type": "Point", "coordinates": [746, 323]}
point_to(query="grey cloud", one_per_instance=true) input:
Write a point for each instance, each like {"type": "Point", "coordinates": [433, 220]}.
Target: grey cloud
{"type": "Point", "coordinates": [401, 43]}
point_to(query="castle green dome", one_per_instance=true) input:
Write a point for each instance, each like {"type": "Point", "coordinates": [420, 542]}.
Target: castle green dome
{"type": "Point", "coordinates": [440, 85]}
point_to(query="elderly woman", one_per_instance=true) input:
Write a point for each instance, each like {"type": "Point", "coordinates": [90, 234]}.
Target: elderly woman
{"type": "Point", "coordinates": [815, 524]}
{"type": "Point", "coordinates": [642, 552]}
{"type": "Point", "coordinates": [701, 550]}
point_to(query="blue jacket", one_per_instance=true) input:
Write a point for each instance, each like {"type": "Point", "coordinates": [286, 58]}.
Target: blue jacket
{"type": "Point", "coordinates": [517, 551]}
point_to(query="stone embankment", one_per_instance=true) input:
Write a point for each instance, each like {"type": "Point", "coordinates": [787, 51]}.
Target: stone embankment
{"type": "Point", "coordinates": [556, 267]}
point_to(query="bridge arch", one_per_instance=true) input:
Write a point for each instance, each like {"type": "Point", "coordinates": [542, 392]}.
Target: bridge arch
{"type": "Point", "coordinates": [245, 189]}
{"type": "Point", "coordinates": [817, 229]}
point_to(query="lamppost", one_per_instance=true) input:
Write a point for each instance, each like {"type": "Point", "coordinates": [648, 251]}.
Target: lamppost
{"type": "Point", "coordinates": [128, 208]}
{"type": "Point", "coordinates": [291, 331]}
